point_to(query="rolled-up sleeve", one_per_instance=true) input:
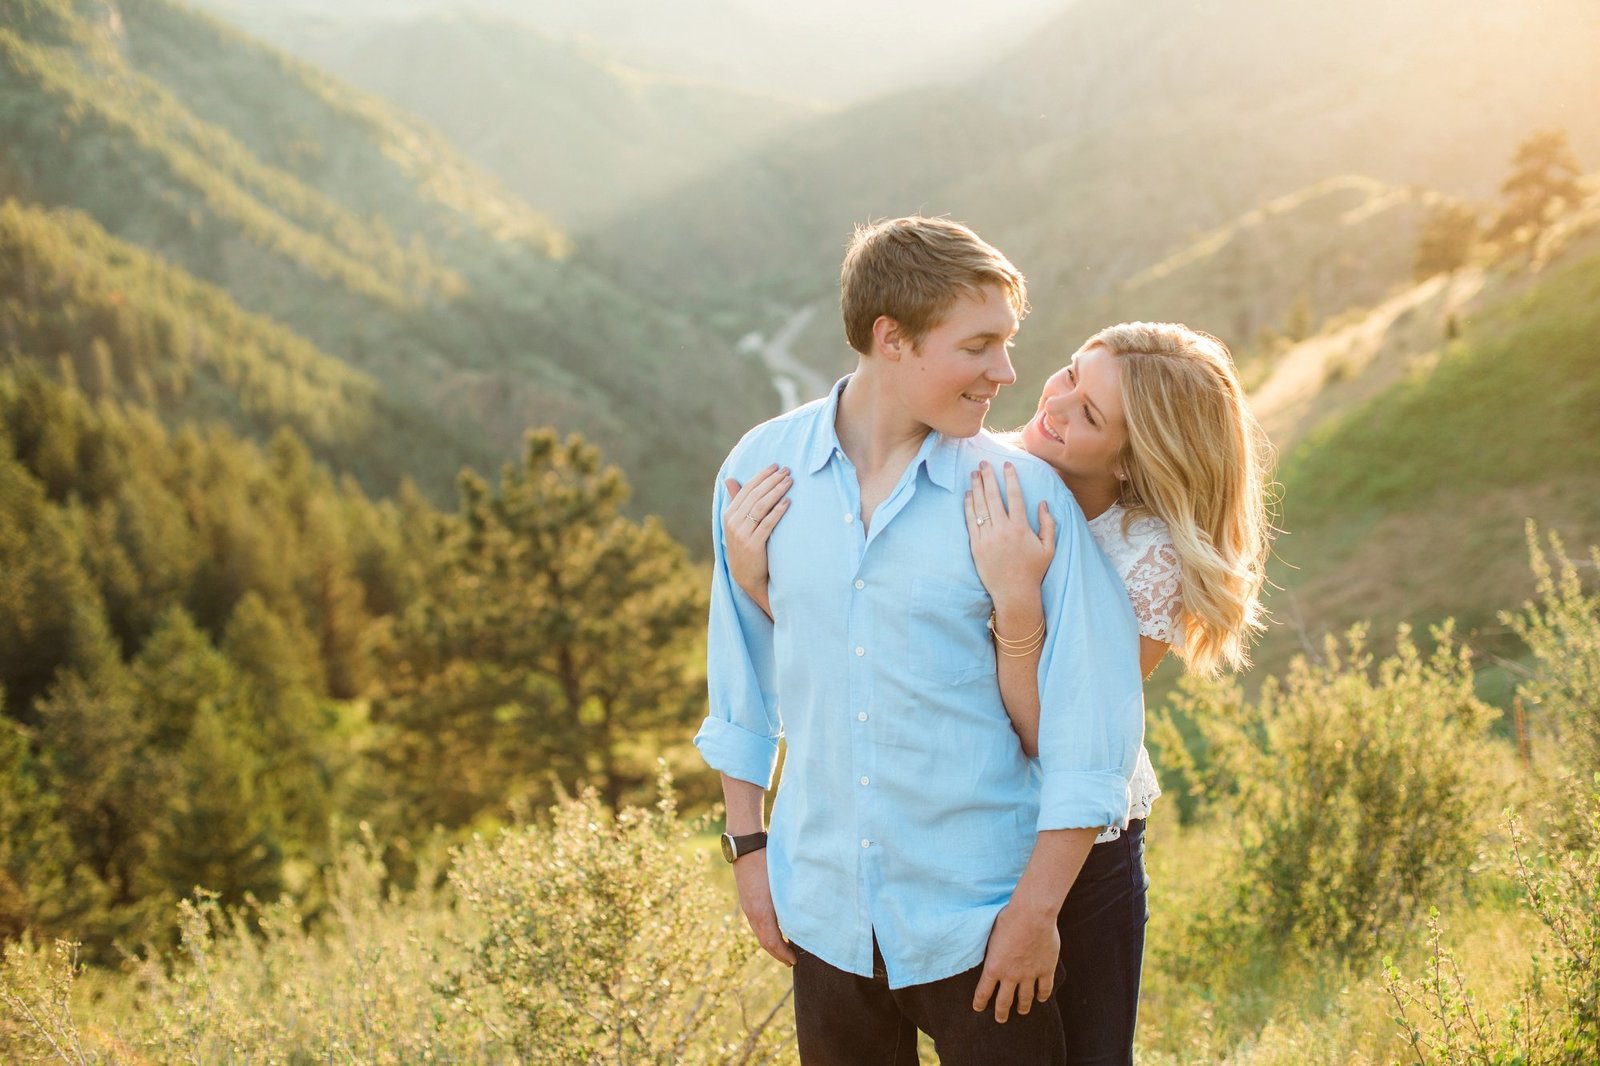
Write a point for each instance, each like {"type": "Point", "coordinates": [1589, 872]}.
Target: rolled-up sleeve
{"type": "Point", "coordinates": [1091, 699]}
{"type": "Point", "coordinates": [740, 734]}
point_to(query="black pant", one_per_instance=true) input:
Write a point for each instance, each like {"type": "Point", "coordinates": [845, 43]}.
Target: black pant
{"type": "Point", "coordinates": [1102, 951]}
{"type": "Point", "coordinates": [845, 1020]}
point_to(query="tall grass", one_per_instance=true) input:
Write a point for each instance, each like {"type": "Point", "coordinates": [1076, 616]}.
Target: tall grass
{"type": "Point", "coordinates": [1344, 891]}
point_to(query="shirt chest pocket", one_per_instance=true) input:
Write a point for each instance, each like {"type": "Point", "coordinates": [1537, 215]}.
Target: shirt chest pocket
{"type": "Point", "coordinates": [946, 631]}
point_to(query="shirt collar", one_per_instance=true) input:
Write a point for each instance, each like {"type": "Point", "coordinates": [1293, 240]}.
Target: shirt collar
{"type": "Point", "coordinates": [939, 455]}
{"type": "Point", "coordinates": [824, 437]}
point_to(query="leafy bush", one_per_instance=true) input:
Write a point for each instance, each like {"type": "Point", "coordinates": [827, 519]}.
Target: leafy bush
{"type": "Point", "coordinates": [608, 942]}
{"type": "Point", "coordinates": [1352, 789]}
{"type": "Point", "coordinates": [591, 939]}
{"type": "Point", "coordinates": [1555, 1021]}
{"type": "Point", "coordinates": [1562, 630]}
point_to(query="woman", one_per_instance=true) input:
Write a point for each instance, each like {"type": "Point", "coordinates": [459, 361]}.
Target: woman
{"type": "Point", "coordinates": [1149, 428]}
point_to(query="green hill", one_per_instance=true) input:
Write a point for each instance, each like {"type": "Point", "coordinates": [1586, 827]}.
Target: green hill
{"type": "Point", "coordinates": [1407, 499]}
{"type": "Point", "coordinates": [367, 235]}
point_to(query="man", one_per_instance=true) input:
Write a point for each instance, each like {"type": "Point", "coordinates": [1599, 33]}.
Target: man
{"type": "Point", "coordinates": [916, 858]}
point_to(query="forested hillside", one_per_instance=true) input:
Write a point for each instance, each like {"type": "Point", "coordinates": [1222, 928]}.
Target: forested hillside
{"type": "Point", "coordinates": [367, 235]}
{"type": "Point", "coordinates": [216, 658]}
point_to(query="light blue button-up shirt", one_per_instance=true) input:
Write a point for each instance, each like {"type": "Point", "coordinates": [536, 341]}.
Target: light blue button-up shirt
{"type": "Point", "coordinates": [907, 807]}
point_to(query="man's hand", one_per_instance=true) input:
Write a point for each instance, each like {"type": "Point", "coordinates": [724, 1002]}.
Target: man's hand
{"type": "Point", "coordinates": [755, 899]}
{"type": "Point", "coordinates": [1019, 965]}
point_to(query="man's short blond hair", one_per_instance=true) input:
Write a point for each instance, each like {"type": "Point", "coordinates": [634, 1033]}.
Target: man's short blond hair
{"type": "Point", "coordinates": [913, 270]}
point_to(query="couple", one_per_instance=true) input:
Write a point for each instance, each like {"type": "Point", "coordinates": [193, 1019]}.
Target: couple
{"type": "Point", "coordinates": [957, 843]}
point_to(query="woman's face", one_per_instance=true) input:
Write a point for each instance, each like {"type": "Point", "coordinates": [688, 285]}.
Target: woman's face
{"type": "Point", "coordinates": [1079, 427]}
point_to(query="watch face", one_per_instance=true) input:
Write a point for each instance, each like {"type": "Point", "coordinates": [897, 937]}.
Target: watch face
{"type": "Point", "coordinates": [728, 851]}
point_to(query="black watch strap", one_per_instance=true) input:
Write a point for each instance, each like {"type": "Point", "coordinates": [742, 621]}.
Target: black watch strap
{"type": "Point", "coordinates": [734, 847]}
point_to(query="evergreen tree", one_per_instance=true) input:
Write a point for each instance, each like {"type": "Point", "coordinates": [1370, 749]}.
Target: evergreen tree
{"type": "Point", "coordinates": [1302, 318]}
{"type": "Point", "coordinates": [553, 641]}
{"type": "Point", "coordinates": [218, 834]}
{"type": "Point", "coordinates": [35, 853]}
{"type": "Point", "coordinates": [1446, 239]}
{"type": "Point", "coordinates": [176, 676]}
{"type": "Point", "coordinates": [1544, 175]}
{"type": "Point", "coordinates": [280, 716]}
{"type": "Point", "coordinates": [113, 789]}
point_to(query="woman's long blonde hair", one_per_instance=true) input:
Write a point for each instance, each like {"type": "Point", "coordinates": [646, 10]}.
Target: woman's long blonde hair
{"type": "Point", "coordinates": [1197, 459]}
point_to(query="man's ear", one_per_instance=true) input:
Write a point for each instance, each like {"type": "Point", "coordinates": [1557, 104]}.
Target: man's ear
{"type": "Point", "coordinates": [889, 339]}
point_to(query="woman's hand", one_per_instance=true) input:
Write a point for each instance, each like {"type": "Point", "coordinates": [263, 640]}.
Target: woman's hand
{"type": "Point", "coordinates": [753, 511]}
{"type": "Point", "coordinates": [1011, 557]}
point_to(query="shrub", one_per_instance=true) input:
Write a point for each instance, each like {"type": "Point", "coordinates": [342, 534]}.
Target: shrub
{"type": "Point", "coordinates": [1555, 1021]}
{"type": "Point", "coordinates": [1562, 630]}
{"type": "Point", "coordinates": [608, 941]}
{"type": "Point", "coordinates": [594, 939]}
{"type": "Point", "coordinates": [1352, 788]}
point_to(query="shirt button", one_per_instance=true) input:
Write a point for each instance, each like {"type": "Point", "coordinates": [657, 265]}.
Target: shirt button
{"type": "Point", "coordinates": [860, 650]}
{"type": "Point", "coordinates": [861, 584]}
{"type": "Point", "coordinates": [862, 717]}
{"type": "Point", "coordinates": [864, 779]}
{"type": "Point", "coordinates": [866, 843]}
{"type": "Point", "coordinates": [849, 518]}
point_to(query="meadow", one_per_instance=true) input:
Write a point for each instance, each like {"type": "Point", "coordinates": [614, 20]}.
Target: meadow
{"type": "Point", "coordinates": [1354, 866]}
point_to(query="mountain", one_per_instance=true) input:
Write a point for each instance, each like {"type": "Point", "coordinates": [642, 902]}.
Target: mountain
{"type": "Point", "coordinates": [1117, 136]}
{"type": "Point", "coordinates": [366, 234]}
{"type": "Point", "coordinates": [832, 51]}
{"type": "Point", "coordinates": [562, 125]}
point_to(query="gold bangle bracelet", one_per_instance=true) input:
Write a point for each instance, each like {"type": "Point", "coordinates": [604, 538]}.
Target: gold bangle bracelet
{"type": "Point", "coordinates": [1036, 635]}
{"type": "Point", "coordinates": [1024, 653]}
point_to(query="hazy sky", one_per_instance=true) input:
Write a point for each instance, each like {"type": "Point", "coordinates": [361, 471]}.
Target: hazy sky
{"type": "Point", "coordinates": [829, 50]}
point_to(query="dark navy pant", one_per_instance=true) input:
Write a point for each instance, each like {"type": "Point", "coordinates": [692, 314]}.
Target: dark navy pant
{"type": "Point", "coordinates": [842, 1019]}
{"type": "Point", "coordinates": [1102, 951]}
{"type": "Point", "coordinates": [845, 1020]}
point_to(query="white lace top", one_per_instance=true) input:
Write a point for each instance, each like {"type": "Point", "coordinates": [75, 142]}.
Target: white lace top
{"type": "Point", "coordinates": [1148, 564]}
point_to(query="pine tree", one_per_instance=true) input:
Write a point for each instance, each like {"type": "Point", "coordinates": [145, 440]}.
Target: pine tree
{"type": "Point", "coordinates": [218, 834]}
{"type": "Point", "coordinates": [176, 676]}
{"type": "Point", "coordinates": [35, 854]}
{"type": "Point", "coordinates": [113, 789]}
{"type": "Point", "coordinates": [554, 636]}
{"type": "Point", "coordinates": [1544, 176]}
{"type": "Point", "coordinates": [279, 713]}
{"type": "Point", "coordinates": [1445, 240]}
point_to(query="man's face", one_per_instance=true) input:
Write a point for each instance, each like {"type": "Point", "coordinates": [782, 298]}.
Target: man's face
{"type": "Point", "coordinates": [949, 379]}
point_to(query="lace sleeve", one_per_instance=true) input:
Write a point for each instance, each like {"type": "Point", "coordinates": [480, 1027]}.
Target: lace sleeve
{"type": "Point", "coordinates": [1155, 586]}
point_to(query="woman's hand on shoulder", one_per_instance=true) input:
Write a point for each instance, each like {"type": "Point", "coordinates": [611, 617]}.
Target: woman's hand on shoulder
{"type": "Point", "coordinates": [1012, 559]}
{"type": "Point", "coordinates": [747, 522]}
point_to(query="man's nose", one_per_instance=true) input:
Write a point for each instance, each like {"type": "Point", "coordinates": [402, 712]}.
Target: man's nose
{"type": "Point", "coordinates": [1001, 372]}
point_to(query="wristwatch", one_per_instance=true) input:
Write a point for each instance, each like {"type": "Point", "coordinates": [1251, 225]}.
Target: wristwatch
{"type": "Point", "coordinates": [734, 847]}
